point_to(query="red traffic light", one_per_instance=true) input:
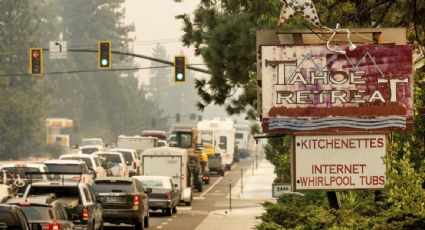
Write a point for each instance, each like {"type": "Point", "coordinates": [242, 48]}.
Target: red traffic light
{"type": "Point", "coordinates": [36, 61]}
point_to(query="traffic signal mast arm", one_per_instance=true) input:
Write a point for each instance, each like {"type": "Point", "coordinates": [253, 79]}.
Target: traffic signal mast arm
{"type": "Point", "coordinates": [138, 56]}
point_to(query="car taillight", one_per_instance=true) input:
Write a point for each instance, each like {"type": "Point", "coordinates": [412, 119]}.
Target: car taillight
{"type": "Point", "coordinates": [169, 196]}
{"type": "Point", "coordinates": [51, 226]}
{"type": "Point", "coordinates": [85, 214]}
{"type": "Point", "coordinates": [136, 201]}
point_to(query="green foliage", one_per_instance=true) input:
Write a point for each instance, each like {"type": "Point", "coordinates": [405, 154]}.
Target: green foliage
{"type": "Point", "coordinates": [23, 102]}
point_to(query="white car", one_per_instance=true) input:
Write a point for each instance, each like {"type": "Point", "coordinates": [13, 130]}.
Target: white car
{"type": "Point", "coordinates": [91, 145]}
{"type": "Point", "coordinates": [92, 162]}
{"type": "Point", "coordinates": [79, 167]}
{"type": "Point", "coordinates": [116, 161]}
{"type": "Point", "coordinates": [132, 160]}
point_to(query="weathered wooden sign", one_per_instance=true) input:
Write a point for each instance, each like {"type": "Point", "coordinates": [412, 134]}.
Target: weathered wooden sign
{"type": "Point", "coordinates": [310, 89]}
{"type": "Point", "coordinates": [328, 162]}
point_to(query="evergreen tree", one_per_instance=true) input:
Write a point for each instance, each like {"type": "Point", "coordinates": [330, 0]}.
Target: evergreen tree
{"type": "Point", "coordinates": [23, 103]}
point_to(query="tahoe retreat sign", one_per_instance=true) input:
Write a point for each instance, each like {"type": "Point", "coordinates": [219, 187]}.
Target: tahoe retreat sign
{"type": "Point", "coordinates": [329, 162]}
{"type": "Point", "coordinates": [312, 89]}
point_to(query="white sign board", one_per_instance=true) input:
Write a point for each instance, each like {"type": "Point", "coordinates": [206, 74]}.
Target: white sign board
{"type": "Point", "coordinates": [57, 50]}
{"type": "Point", "coordinates": [345, 162]}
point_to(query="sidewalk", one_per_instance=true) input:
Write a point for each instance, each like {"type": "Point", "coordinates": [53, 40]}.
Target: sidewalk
{"type": "Point", "coordinates": [257, 188]}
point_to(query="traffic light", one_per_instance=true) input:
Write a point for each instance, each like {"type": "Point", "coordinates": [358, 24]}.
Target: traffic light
{"type": "Point", "coordinates": [104, 55]}
{"type": "Point", "coordinates": [36, 61]}
{"type": "Point", "coordinates": [179, 68]}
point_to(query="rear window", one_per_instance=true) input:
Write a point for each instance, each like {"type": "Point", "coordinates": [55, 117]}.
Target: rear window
{"type": "Point", "coordinates": [149, 183]}
{"type": "Point", "coordinates": [128, 157]}
{"type": "Point", "coordinates": [60, 192]}
{"type": "Point", "coordinates": [37, 212]}
{"type": "Point", "coordinates": [22, 170]}
{"type": "Point", "coordinates": [11, 222]}
{"type": "Point", "coordinates": [64, 168]}
{"type": "Point", "coordinates": [114, 158]}
{"type": "Point", "coordinates": [106, 186]}
{"type": "Point", "coordinates": [87, 160]}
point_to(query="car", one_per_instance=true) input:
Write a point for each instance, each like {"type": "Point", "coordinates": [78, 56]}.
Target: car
{"type": "Point", "coordinates": [124, 200]}
{"type": "Point", "coordinates": [92, 161]}
{"type": "Point", "coordinates": [164, 196]}
{"type": "Point", "coordinates": [91, 145]}
{"type": "Point", "coordinates": [12, 217]}
{"type": "Point", "coordinates": [44, 212]}
{"type": "Point", "coordinates": [6, 192]}
{"type": "Point", "coordinates": [78, 167]}
{"type": "Point", "coordinates": [81, 206]}
{"type": "Point", "coordinates": [115, 161]}
{"type": "Point", "coordinates": [16, 174]}
{"type": "Point", "coordinates": [132, 160]}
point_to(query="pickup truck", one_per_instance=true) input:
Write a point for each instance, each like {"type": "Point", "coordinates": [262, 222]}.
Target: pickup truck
{"type": "Point", "coordinates": [78, 198]}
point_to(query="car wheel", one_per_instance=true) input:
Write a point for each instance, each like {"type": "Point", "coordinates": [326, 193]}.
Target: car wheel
{"type": "Point", "coordinates": [168, 212]}
{"type": "Point", "coordinates": [174, 210]}
{"type": "Point", "coordinates": [138, 225]}
{"type": "Point", "coordinates": [146, 222]}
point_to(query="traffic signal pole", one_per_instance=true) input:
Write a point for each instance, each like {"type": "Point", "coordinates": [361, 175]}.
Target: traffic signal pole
{"type": "Point", "coordinates": [137, 56]}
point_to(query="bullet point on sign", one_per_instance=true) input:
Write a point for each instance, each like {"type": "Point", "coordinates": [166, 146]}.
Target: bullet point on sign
{"type": "Point", "coordinates": [298, 144]}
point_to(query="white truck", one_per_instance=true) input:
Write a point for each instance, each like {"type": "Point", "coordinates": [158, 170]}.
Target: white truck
{"type": "Point", "coordinates": [172, 162]}
{"type": "Point", "coordinates": [137, 142]}
{"type": "Point", "coordinates": [221, 135]}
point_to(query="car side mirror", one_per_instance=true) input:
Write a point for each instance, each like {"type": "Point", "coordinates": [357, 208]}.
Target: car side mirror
{"type": "Point", "coordinates": [148, 190]}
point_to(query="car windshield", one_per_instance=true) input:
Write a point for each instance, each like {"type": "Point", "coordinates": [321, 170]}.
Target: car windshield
{"type": "Point", "coordinates": [154, 183]}
{"type": "Point", "coordinates": [37, 212]}
{"type": "Point", "coordinates": [22, 170]}
{"type": "Point", "coordinates": [127, 157]}
{"type": "Point", "coordinates": [106, 186]}
{"type": "Point", "coordinates": [91, 142]}
{"type": "Point", "coordinates": [85, 159]}
{"type": "Point", "coordinates": [114, 158]}
{"type": "Point", "coordinates": [67, 168]}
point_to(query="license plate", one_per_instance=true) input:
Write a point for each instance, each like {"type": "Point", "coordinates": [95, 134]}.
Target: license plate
{"type": "Point", "coordinates": [114, 199]}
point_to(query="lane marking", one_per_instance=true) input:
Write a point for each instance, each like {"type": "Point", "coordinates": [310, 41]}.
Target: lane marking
{"type": "Point", "coordinates": [211, 187]}
{"type": "Point", "coordinates": [159, 227]}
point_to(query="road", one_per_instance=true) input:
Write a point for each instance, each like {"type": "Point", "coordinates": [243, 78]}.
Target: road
{"type": "Point", "coordinates": [214, 197]}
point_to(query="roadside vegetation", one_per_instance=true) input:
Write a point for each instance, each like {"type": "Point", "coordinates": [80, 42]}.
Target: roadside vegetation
{"type": "Point", "coordinates": [223, 33]}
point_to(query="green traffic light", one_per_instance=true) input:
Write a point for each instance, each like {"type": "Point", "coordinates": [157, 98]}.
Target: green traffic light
{"type": "Point", "coordinates": [104, 62]}
{"type": "Point", "coordinates": [179, 76]}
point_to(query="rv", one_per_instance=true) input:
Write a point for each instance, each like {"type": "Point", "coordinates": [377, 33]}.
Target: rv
{"type": "Point", "coordinates": [217, 138]}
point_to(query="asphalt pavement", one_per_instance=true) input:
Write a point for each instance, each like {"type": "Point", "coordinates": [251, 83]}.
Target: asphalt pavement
{"type": "Point", "coordinates": [247, 195]}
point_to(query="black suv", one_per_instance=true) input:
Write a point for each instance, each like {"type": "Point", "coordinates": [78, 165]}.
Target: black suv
{"type": "Point", "coordinates": [80, 202]}
{"type": "Point", "coordinates": [44, 212]}
{"type": "Point", "coordinates": [12, 217]}
{"type": "Point", "coordinates": [123, 200]}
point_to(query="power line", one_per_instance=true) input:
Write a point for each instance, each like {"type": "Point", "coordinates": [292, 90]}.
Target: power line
{"type": "Point", "coordinates": [83, 71]}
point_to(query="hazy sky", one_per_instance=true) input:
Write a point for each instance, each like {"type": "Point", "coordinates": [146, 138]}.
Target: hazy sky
{"type": "Point", "coordinates": [154, 21]}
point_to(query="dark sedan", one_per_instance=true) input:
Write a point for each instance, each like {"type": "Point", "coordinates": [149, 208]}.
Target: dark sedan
{"type": "Point", "coordinates": [165, 195]}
